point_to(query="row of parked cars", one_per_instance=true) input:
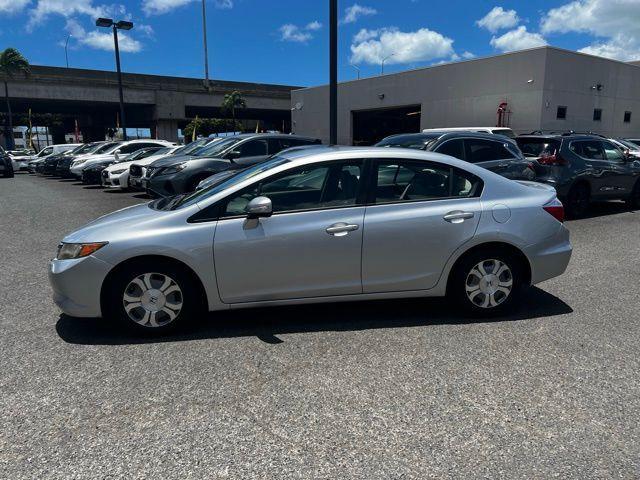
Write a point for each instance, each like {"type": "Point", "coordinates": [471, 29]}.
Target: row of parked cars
{"type": "Point", "coordinates": [582, 168]}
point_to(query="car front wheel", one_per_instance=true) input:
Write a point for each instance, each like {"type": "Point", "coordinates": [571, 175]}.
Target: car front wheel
{"type": "Point", "coordinates": [152, 298]}
{"type": "Point", "coordinates": [486, 283]}
{"type": "Point", "coordinates": [634, 199]}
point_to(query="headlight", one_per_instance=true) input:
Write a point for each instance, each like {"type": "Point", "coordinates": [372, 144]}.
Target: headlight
{"type": "Point", "coordinates": [174, 169]}
{"type": "Point", "coordinates": [68, 251]}
{"type": "Point", "coordinates": [118, 172]}
{"type": "Point", "coordinates": [77, 162]}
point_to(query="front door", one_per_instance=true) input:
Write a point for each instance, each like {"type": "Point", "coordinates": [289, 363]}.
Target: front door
{"type": "Point", "coordinates": [310, 247]}
{"type": "Point", "coordinates": [422, 213]}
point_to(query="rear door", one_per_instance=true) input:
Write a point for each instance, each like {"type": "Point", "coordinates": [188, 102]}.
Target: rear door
{"type": "Point", "coordinates": [418, 214]}
{"type": "Point", "coordinates": [596, 165]}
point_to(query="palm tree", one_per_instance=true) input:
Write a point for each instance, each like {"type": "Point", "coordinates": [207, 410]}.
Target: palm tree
{"type": "Point", "coordinates": [232, 101]}
{"type": "Point", "coordinates": [11, 62]}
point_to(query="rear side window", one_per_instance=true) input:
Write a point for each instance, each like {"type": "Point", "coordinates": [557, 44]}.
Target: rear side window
{"type": "Point", "coordinates": [589, 149]}
{"type": "Point", "coordinates": [479, 150]}
{"type": "Point", "coordinates": [453, 148]}
{"type": "Point", "coordinates": [410, 181]}
{"type": "Point", "coordinates": [538, 147]}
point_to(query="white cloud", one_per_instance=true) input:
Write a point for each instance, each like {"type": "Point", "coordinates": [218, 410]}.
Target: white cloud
{"type": "Point", "coordinates": [498, 19]}
{"type": "Point", "coordinates": [620, 47]}
{"type": "Point", "coordinates": [518, 39]}
{"type": "Point", "coordinates": [371, 46]}
{"type": "Point", "coordinates": [13, 6]}
{"type": "Point", "coordinates": [159, 7]}
{"type": "Point", "coordinates": [355, 11]}
{"type": "Point", "coordinates": [616, 21]}
{"type": "Point", "coordinates": [146, 30]}
{"type": "Point", "coordinates": [102, 40]}
{"type": "Point", "coordinates": [67, 9]}
{"type": "Point", "coordinates": [294, 33]}
{"type": "Point", "coordinates": [313, 26]}
{"type": "Point", "coordinates": [468, 55]}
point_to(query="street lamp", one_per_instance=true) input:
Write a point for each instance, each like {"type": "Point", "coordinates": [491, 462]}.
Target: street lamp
{"type": "Point", "coordinates": [206, 49]}
{"type": "Point", "coordinates": [66, 46]}
{"type": "Point", "coordinates": [384, 60]}
{"type": "Point", "coordinates": [333, 72]}
{"type": "Point", "coordinates": [357, 69]}
{"type": "Point", "coordinates": [121, 25]}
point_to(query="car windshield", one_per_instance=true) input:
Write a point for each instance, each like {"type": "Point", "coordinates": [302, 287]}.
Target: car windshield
{"type": "Point", "coordinates": [187, 199]}
{"type": "Point", "coordinates": [629, 145]}
{"type": "Point", "coordinates": [106, 148]}
{"type": "Point", "coordinates": [216, 148]}
{"type": "Point", "coordinates": [537, 147]}
{"type": "Point", "coordinates": [193, 147]}
{"type": "Point", "coordinates": [417, 141]}
{"type": "Point", "coordinates": [84, 148]}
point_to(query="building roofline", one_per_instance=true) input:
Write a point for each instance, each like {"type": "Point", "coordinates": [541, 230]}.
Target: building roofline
{"type": "Point", "coordinates": [479, 59]}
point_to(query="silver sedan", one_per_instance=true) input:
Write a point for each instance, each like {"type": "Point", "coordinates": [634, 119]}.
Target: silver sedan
{"type": "Point", "coordinates": [321, 224]}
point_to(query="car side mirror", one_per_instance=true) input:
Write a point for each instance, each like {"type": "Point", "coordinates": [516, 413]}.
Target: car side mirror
{"type": "Point", "coordinates": [259, 207]}
{"type": "Point", "coordinates": [234, 154]}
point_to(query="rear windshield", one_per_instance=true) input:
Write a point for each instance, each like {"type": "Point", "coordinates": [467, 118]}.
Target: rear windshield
{"type": "Point", "coordinates": [417, 141]}
{"type": "Point", "coordinates": [506, 132]}
{"type": "Point", "coordinates": [537, 147]}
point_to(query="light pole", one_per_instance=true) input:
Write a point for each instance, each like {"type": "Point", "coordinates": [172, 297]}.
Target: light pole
{"type": "Point", "coordinates": [206, 48]}
{"type": "Point", "coordinates": [121, 25]}
{"type": "Point", "coordinates": [333, 72]}
{"type": "Point", "coordinates": [384, 60]}
{"type": "Point", "coordinates": [357, 69]}
{"type": "Point", "coordinates": [66, 46]}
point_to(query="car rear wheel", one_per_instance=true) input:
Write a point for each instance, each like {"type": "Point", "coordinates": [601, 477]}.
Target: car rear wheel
{"type": "Point", "coordinates": [152, 297]}
{"type": "Point", "coordinates": [578, 200]}
{"type": "Point", "coordinates": [634, 199]}
{"type": "Point", "coordinates": [486, 282]}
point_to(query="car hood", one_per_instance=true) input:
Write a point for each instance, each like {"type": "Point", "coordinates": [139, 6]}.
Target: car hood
{"type": "Point", "coordinates": [124, 224]}
{"type": "Point", "coordinates": [172, 160]}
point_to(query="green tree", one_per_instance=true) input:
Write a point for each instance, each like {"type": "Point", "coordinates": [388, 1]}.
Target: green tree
{"type": "Point", "coordinates": [207, 126]}
{"type": "Point", "coordinates": [231, 102]}
{"type": "Point", "coordinates": [11, 63]}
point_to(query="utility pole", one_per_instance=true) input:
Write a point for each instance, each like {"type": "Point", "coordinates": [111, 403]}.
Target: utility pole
{"type": "Point", "coordinates": [333, 72]}
{"type": "Point", "coordinates": [206, 48]}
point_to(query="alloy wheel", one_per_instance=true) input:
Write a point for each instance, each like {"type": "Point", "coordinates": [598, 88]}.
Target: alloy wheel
{"type": "Point", "coordinates": [152, 300]}
{"type": "Point", "coordinates": [489, 283]}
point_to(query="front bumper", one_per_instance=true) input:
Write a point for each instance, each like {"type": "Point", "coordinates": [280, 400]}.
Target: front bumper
{"type": "Point", "coordinates": [549, 258]}
{"type": "Point", "coordinates": [77, 285]}
{"type": "Point", "coordinates": [92, 177]}
{"type": "Point", "coordinates": [167, 185]}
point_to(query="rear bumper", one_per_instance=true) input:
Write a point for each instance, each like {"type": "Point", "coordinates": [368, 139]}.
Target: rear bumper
{"type": "Point", "coordinates": [550, 257]}
{"type": "Point", "coordinates": [77, 285]}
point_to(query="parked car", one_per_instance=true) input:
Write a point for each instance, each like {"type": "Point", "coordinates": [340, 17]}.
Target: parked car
{"type": "Point", "coordinates": [584, 168]}
{"type": "Point", "coordinates": [635, 141]}
{"type": "Point", "coordinates": [179, 174]}
{"type": "Point", "coordinates": [92, 175]}
{"type": "Point", "coordinates": [116, 175]}
{"type": "Point", "coordinates": [629, 148]}
{"type": "Point", "coordinates": [50, 164]}
{"type": "Point", "coordinates": [6, 164]}
{"type": "Point", "coordinates": [507, 132]}
{"type": "Point", "coordinates": [496, 153]}
{"type": "Point", "coordinates": [119, 152]}
{"type": "Point", "coordinates": [48, 151]}
{"type": "Point", "coordinates": [138, 169]}
{"type": "Point", "coordinates": [63, 168]}
{"type": "Point", "coordinates": [321, 224]}
{"type": "Point", "coordinates": [19, 159]}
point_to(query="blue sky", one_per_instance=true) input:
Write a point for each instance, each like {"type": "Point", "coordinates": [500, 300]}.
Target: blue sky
{"type": "Point", "coordinates": [286, 41]}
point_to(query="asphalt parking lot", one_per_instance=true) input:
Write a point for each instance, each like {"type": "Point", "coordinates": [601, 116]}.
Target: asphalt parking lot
{"type": "Point", "coordinates": [398, 389]}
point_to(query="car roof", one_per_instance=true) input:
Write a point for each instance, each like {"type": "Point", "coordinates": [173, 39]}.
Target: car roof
{"type": "Point", "coordinates": [575, 136]}
{"type": "Point", "coordinates": [270, 135]}
{"type": "Point", "coordinates": [440, 134]}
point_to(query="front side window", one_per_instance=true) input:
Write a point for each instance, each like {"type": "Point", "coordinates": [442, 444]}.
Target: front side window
{"type": "Point", "coordinates": [453, 148]}
{"type": "Point", "coordinates": [252, 148]}
{"type": "Point", "coordinates": [591, 150]}
{"type": "Point", "coordinates": [479, 150]}
{"type": "Point", "coordinates": [406, 181]}
{"type": "Point", "coordinates": [305, 188]}
{"type": "Point", "coordinates": [613, 153]}
{"type": "Point", "coordinates": [46, 151]}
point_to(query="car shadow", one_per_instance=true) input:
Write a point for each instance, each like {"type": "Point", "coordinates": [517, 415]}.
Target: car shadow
{"type": "Point", "coordinates": [91, 187]}
{"type": "Point", "coordinates": [115, 191]}
{"type": "Point", "coordinates": [603, 209]}
{"type": "Point", "coordinates": [267, 323]}
{"type": "Point", "coordinates": [143, 196]}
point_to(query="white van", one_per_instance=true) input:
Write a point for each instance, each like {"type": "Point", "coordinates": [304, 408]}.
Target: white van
{"type": "Point", "coordinates": [507, 132]}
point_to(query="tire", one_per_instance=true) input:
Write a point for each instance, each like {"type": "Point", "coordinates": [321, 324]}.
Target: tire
{"type": "Point", "coordinates": [172, 301]}
{"type": "Point", "coordinates": [634, 199]}
{"type": "Point", "coordinates": [578, 200]}
{"type": "Point", "coordinates": [493, 293]}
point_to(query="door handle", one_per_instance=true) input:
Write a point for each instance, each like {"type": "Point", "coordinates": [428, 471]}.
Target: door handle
{"type": "Point", "coordinates": [341, 229]}
{"type": "Point", "coordinates": [458, 216]}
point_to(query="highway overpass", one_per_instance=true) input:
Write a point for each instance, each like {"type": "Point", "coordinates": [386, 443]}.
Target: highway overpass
{"type": "Point", "coordinates": [162, 104]}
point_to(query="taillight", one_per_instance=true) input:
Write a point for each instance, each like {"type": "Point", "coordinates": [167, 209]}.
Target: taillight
{"type": "Point", "coordinates": [555, 209]}
{"type": "Point", "coordinates": [552, 159]}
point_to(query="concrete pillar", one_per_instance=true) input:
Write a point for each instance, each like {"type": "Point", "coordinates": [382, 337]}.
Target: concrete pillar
{"type": "Point", "coordinates": [166, 130]}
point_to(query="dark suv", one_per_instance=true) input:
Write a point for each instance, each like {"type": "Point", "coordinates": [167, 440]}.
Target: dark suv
{"type": "Point", "coordinates": [583, 168]}
{"type": "Point", "coordinates": [6, 165]}
{"type": "Point", "coordinates": [499, 154]}
{"type": "Point", "coordinates": [179, 173]}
